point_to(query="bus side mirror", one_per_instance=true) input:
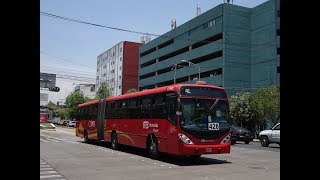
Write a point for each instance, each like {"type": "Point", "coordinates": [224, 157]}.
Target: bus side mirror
{"type": "Point", "coordinates": [178, 104]}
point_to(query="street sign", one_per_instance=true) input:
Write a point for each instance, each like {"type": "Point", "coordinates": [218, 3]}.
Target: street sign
{"type": "Point", "coordinates": [47, 80]}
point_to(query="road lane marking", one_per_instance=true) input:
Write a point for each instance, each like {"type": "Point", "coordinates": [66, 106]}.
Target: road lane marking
{"type": "Point", "coordinates": [50, 176]}
{"type": "Point", "coordinates": [44, 169]}
{"type": "Point", "coordinates": [44, 140]}
{"type": "Point", "coordinates": [45, 165]}
{"type": "Point", "coordinates": [48, 172]}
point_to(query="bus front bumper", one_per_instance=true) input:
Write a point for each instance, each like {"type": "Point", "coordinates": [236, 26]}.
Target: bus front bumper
{"type": "Point", "coordinates": [187, 149]}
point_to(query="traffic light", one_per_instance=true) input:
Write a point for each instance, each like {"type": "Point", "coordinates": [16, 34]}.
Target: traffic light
{"type": "Point", "coordinates": [54, 89]}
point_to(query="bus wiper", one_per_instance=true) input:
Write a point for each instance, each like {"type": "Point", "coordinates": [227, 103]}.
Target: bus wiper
{"type": "Point", "coordinates": [214, 103]}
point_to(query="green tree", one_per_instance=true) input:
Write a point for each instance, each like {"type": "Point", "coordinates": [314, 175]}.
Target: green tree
{"type": "Point", "coordinates": [131, 91]}
{"type": "Point", "coordinates": [60, 112]}
{"type": "Point", "coordinates": [266, 101]}
{"type": "Point", "coordinates": [51, 105]}
{"type": "Point", "coordinates": [103, 91]}
{"type": "Point", "coordinates": [87, 99]}
{"type": "Point", "coordinates": [241, 110]}
{"type": "Point", "coordinates": [72, 100]}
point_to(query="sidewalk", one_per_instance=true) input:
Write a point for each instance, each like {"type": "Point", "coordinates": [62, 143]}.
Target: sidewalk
{"type": "Point", "coordinates": [47, 126]}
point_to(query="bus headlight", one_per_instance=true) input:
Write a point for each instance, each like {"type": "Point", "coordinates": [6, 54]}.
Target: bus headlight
{"type": "Point", "coordinates": [225, 139]}
{"type": "Point", "coordinates": [185, 139]}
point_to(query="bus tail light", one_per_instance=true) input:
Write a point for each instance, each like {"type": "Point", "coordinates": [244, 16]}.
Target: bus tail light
{"type": "Point", "coordinates": [185, 139]}
{"type": "Point", "coordinates": [226, 139]}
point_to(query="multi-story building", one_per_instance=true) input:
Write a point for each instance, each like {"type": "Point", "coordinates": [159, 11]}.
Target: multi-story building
{"type": "Point", "coordinates": [231, 46]}
{"type": "Point", "coordinates": [87, 90]}
{"type": "Point", "coordinates": [118, 67]}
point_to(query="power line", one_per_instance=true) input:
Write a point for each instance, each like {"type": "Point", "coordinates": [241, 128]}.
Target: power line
{"type": "Point", "coordinates": [65, 70]}
{"type": "Point", "coordinates": [145, 33]}
{"type": "Point", "coordinates": [67, 60]}
{"type": "Point", "coordinates": [94, 24]}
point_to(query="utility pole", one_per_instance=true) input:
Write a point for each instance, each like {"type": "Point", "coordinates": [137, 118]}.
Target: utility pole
{"type": "Point", "coordinates": [175, 71]}
{"type": "Point", "coordinates": [192, 64]}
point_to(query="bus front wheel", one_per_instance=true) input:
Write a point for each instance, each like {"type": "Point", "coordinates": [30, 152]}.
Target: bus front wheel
{"type": "Point", "coordinates": [153, 148]}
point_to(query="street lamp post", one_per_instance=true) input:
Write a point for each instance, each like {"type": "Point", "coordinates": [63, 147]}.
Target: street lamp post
{"type": "Point", "coordinates": [175, 71]}
{"type": "Point", "coordinates": [192, 64]}
{"type": "Point", "coordinates": [174, 75]}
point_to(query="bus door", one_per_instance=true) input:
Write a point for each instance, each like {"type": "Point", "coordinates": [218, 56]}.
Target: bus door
{"type": "Point", "coordinates": [100, 123]}
{"type": "Point", "coordinates": [172, 137]}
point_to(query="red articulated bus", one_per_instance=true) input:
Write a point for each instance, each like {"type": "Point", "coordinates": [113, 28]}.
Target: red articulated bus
{"type": "Point", "coordinates": [180, 119]}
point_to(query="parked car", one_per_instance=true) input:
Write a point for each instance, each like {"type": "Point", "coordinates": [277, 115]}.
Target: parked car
{"type": "Point", "coordinates": [64, 122]}
{"type": "Point", "coordinates": [270, 136]}
{"type": "Point", "coordinates": [241, 134]}
{"type": "Point", "coordinates": [71, 124]}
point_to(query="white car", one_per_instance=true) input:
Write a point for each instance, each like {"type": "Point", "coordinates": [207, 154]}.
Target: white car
{"type": "Point", "coordinates": [72, 124]}
{"type": "Point", "coordinates": [270, 136]}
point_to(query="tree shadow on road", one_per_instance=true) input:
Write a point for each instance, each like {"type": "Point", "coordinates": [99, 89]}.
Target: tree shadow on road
{"type": "Point", "coordinates": [166, 158]}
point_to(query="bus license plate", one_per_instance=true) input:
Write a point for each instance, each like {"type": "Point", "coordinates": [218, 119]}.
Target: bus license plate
{"type": "Point", "coordinates": [208, 150]}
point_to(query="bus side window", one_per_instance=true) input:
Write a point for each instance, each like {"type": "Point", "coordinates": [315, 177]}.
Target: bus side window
{"type": "Point", "coordinates": [172, 108]}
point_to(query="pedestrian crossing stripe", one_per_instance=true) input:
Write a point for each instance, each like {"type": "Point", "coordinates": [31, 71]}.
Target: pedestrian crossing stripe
{"type": "Point", "coordinates": [47, 172]}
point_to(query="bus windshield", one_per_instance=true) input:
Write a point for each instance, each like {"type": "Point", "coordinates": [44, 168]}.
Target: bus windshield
{"type": "Point", "coordinates": [204, 114]}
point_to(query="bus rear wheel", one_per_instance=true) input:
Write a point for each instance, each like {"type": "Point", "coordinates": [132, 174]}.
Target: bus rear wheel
{"type": "Point", "coordinates": [114, 141]}
{"type": "Point", "coordinates": [86, 137]}
{"type": "Point", "coordinates": [153, 148]}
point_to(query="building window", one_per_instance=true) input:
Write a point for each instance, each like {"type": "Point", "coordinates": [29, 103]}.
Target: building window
{"type": "Point", "coordinates": [218, 19]}
{"type": "Point", "coordinates": [120, 87]}
{"type": "Point", "coordinates": [119, 77]}
{"type": "Point", "coordinates": [278, 51]}
{"type": "Point", "coordinates": [148, 63]}
{"type": "Point", "coordinates": [120, 67]}
{"type": "Point", "coordinates": [120, 59]}
{"type": "Point", "coordinates": [211, 22]}
{"type": "Point", "coordinates": [148, 51]}
{"type": "Point", "coordinates": [120, 49]}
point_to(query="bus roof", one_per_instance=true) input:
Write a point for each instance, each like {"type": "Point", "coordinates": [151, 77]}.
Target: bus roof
{"type": "Point", "coordinates": [88, 103]}
{"type": "Point", "coordinates": [174, 88]}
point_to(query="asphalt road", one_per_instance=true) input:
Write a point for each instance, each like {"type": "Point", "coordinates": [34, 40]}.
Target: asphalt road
{"type": "Point", "coordinates": [70, 158]}
{"type": "Point", "coordinates": [257, 146]}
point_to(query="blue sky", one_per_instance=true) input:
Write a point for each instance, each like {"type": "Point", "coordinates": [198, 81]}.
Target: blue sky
{"type": "Point", "coordinates": [70, 49]}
